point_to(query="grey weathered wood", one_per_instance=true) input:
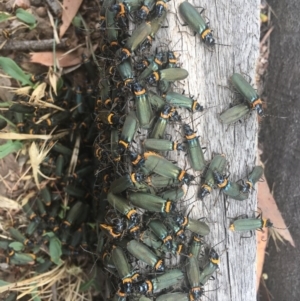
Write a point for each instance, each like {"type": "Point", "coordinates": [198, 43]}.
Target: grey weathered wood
{"type": "Point", "coordinates": [235, 23]}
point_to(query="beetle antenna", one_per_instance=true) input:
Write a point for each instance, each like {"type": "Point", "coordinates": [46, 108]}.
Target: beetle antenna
{"type": "Point", "coordinates": [281, 117]}
{"type": "Point", "coordinates": [281, 228]}
{"type": "Point", "coordinates": [222, 44]}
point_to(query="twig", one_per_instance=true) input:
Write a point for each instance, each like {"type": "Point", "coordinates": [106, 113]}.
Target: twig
{"type": "Point", "coordinates": [5, 184]}
{"type": "Point", "coordinates": [266, 36]}
{"type": "Point", "coordinates": [34, 45]}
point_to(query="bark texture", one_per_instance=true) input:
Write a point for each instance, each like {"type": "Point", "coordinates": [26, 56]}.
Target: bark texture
{"type": "Point", "coordinates": [280, 139]}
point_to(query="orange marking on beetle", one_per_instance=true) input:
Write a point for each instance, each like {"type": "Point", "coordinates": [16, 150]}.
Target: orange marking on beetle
{"type": "Point", "coordinates": [158, 264]}
{"type": "Point", "coordinates": [138, 93]}
{"type": "Point", "coordinates": [167, 238]}
{"type": "Point", "coordinates": [224, 184]}
{"type": "Point", "coordinates": [161, 3]}
{"type": "Point", "coordinates": [136, 161]}
{"type": "Point", "coordinates": [132, 177]}
{"type": "Point", "coordinates": [181, 175]}
{"type": "Point", "coordinates": [130, 213]}
{"type": "Point", "coordinates": [168, 206]}
{"type": "Point", "coordinates": [145, 8]}
{"type": "Point", "coordinates": [194, 105]}
{"type": "Point", "coordinates": [185, 221]}
{"type": "Point", "coordinates": [149, 285]}
{"type": "Point", "coordinates": [205, 33]}
{"type": "Point", "coordinates": [109, 118]}
{"type": "Point", "coordinates": [123, 143]}
{"type": "Point", "coordinates": [190, 137]}
{"type": "Point", "coordinates": [158, 62]}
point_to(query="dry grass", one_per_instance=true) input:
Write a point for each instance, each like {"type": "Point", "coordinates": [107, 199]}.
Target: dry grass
{"type": "Point", "coordinates": [60, 284]}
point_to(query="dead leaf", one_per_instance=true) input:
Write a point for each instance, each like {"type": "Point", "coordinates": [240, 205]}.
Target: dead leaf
{"type": "Point", "coordinates": [16, 136]}
{"type": "Point", "coordinates": [270, 210]}
{"type": "Point", "coordinates": [261, 239]}
{"type": "Point", "coordinates": [74, 158]}
{"type": "Point", "coordinates": [66, 59]}
{"type": "Point", "coordinates": [22, 3]}
{"type": "Point", "coordinates": [6, 95]}
{"type": "Point", "coordinates": [70, 69]}
{"type": "Point", "coordinates": [46, 58]}
{"type": "Point", "coordinates": [27, 197]}
{"type": "Point", "coordinates": [16, 25]}
{"type": "Point", "coordinates": [7, 203]}
{"type": "Point", "coordinates": [70, 9]}
{"type": "Point", "coordinates": [45, 104]}
{"type": "Point", "coordinates": [23, 91]}
{"type": "Point", "coordinates": [37, 156]}
{"type": "Point", "coordinates": [54, 27]}
{"type": "Point", "coordinates": [44, 117]}
{"type": "Point", "coordinates": [53, 78]}
{"type": "Point", "coordinates": [38, 93]}
{"type": "Point", "coordinates": [60, 135]}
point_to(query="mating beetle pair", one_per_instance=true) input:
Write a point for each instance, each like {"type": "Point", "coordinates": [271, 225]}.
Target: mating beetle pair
{"type": "Point", "coordinates": [253, 101]}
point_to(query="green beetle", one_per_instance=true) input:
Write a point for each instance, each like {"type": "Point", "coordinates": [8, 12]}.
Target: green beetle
{"type": "Point", "coordinates": [179, 100]}
{"type": "Point", "coordinates": [143, 253]}
{"type": "Point", "coordinates": [250, 224]}
{"type": "Point", "coordinates": [247, 91]}
{"type": "Point", "coordinates": [218, 163]}
{"type": "Point", "coordinates": [154, 285]}
{"type": "Point", "coordinates": [194, 149]}
{"type": "Point", "coordinates": [253, 178]}
{"type": "Point", "coordinates": [194, 19]}
{"type": "Point", "coordinates": [162, 145]}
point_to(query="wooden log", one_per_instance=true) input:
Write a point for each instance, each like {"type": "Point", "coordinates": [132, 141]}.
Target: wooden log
{"type": "Point", "coordinates": [236, 24]}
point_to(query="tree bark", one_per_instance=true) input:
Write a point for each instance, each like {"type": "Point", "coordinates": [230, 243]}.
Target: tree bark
{"type": "Point", "coordinates": [281, 144]}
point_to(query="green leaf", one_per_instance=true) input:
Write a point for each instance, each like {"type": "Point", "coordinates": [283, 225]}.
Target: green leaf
{"type": "Point", "coordinates": [25, 16]}
{"type": "Point", "coordinates": [35, 293]}
{"type": "Point", "coordinates": [77, 21]}
{"type": "Point", "coordinates": [17, 246]}
{"type": "Point", "coordinates": [61, 214]}
{"type": "Point", "coordinates": [86, 285]}
{"type": "Point", "coordinates": [6, 104]}
{"type": "Point", "coordinates": [49, 234]}
{"type": "Point", "coordinates": [8, 121]}
{"type": "Point", "coordinates": [31, 228]}
{"type": "Point", "coordinates": [9, 147]}
{"type": "Point", "coordinates": [36, 249]}
{"type": "Point", "coordinates": [13, 70]}
{"type": "Point", "coordinates": [4, 16]}
{"type": "Point", "coordinates": [3, 283]}
{"type": "Point", "coordinates": [33, 26]}
{"type": "Point", "coordinates": [96, 284]}
{"type": "Point", "coordinates": [22, 258]}
{"type": "Point", "coordinates": [60, 84]}
{"type": "Point", "coordinates": [92, 225]}
{"type": "Point", "coordinates": [55, 250]}
{"type": "Point", "coordinates": [35, 297]}
{"type": "Point", "coordinates": [4, 244]}
{"type": "Point", "coordinates": [40, 260]}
